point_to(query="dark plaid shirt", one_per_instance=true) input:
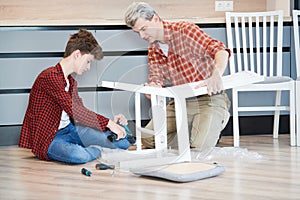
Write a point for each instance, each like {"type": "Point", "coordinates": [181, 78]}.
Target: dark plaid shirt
{"type": "Point", "coordinates": [47, 100]}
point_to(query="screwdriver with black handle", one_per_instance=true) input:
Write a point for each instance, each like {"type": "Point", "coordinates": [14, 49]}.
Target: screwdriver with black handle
{"type": "Point", "coordinates": [102, 166]}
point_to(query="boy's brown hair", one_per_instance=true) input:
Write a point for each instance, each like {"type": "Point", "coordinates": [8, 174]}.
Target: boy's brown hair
{"type": "Point", "coordinates": [85, 42]}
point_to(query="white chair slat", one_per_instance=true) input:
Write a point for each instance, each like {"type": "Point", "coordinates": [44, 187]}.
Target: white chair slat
{"type": "Point", "coordinates": [252, 67]}
{"type": "Point", "coordinates": [271, 45]}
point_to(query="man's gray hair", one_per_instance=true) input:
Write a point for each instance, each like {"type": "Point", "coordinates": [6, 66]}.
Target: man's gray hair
{"type": "Point", "coordinates": [138, 10]}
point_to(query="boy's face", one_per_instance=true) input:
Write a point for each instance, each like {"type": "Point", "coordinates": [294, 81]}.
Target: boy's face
{"type": "Point", "coordinates": [148, 30]}
{"type": "Point", "coordinates": [82, 63]}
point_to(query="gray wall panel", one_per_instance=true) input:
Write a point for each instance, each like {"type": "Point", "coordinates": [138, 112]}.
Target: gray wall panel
{"type": "Point", "coordinates": [33, 41]}
{"type": "Point", "coordinates": [217, 33]}
{"type": "Point", "coordinates": [21, 72]}
{"type": "Point", "coordinates": [120, 40]}
{"type": "Point", "coordinates": [129, 69]}
{"type": "Point", "coordinates": [55, 40]}
{"type": "Point", "coordinates": [12, 108]}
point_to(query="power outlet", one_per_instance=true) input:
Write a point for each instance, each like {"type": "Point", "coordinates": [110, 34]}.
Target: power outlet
{"type": "Point", "coordinates": [223, 5]}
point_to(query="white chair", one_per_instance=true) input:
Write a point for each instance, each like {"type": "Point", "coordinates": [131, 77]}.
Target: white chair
{"type": "Point", "coordinates": [260, 34]}
{"type": "Point", "coordinates": [158, 103]}
{"type": "Point", "coordinates": [296, 14]}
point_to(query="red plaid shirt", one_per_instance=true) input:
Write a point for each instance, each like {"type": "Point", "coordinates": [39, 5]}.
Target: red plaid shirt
{"type": "Point", "coordinates": [190, 57]}
{"type": "Point", "coordinates": [47, 100]}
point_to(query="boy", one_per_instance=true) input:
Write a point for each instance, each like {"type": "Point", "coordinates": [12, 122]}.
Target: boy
{"type": "Point", "coordinates": [55, 110]}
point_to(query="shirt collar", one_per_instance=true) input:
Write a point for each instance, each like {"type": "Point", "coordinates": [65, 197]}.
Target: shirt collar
{"type": "Point", "coordinates": [59, 68]}
{"type": "Point", "coordinates": [168, 34]}
{"type": "Point", "coordinates": [70, 78]}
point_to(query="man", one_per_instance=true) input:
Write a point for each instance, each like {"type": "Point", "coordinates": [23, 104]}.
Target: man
{"type": "Point", "coordinates": [179, 53]}
{"type": "Point", "coordinates": [54, 104]}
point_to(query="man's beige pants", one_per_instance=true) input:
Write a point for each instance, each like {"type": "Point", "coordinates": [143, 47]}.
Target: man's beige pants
{"type": "Point", "coordinates": [207, 117]}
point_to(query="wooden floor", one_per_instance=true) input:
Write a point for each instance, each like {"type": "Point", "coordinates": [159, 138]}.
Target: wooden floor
{"type": "Point", "coordinates": [269, 170]}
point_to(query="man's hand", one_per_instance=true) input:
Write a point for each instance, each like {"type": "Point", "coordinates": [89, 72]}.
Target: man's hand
{"type": "Point", "coordinates": [151, 85]}
{"type": "Point", "coordinates": [214, 83]}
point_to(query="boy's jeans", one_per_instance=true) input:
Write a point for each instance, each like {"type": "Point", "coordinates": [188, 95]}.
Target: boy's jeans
{"type": "Point", "coordinates": [72, 144]}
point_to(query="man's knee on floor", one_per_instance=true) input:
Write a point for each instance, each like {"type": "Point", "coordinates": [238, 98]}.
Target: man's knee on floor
{"type": "Point", "coordinates": [148, 142]}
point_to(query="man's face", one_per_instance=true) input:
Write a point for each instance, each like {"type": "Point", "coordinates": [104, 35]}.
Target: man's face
{"type": "Point", "coordinates": [148, 30]}
{"type": "Point", "coordinates": [83, 63]}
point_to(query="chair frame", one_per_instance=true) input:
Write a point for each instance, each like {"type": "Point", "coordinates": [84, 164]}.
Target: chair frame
{"type": "Point", "coordinates": [296, 14]}
{"type": "Point", "coordinates": [252, 62]}
{"type": "Point", "coordinates": [158, 106]}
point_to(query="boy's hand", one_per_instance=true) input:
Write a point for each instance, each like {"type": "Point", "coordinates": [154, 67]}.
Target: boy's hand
{"type": "Point", "coordinates": [117, 129]}
{"type": "Point", "coordinates": [121, 119]}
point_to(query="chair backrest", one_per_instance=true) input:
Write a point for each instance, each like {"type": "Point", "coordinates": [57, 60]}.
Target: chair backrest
{"type": "Point", "coordinates": [255, 39]}
{"type": "Point", "coordinates": [296, 14]}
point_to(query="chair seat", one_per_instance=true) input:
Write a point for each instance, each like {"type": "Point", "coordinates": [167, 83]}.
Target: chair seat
{"type": "Point", "coordinates": [277, 79]}
{"type": "Point", "coordinates": [270, 84]}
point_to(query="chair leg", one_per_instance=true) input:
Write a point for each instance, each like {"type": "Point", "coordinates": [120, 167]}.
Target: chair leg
{"type": "Point", "coordinates": [138, 121]}
{"type": "Point", "coordinates": [276, 115]}
{"type": "Point", "coordinates": [298, 112]}
{"type": "Point", "coordinates": [235, 116]}
{"type": "Point", "coordinates": [292, 116]}
{"type": "Point", "coordinates": [182, 130]}
{"type": "Point", "coordinates": [158, 104]}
